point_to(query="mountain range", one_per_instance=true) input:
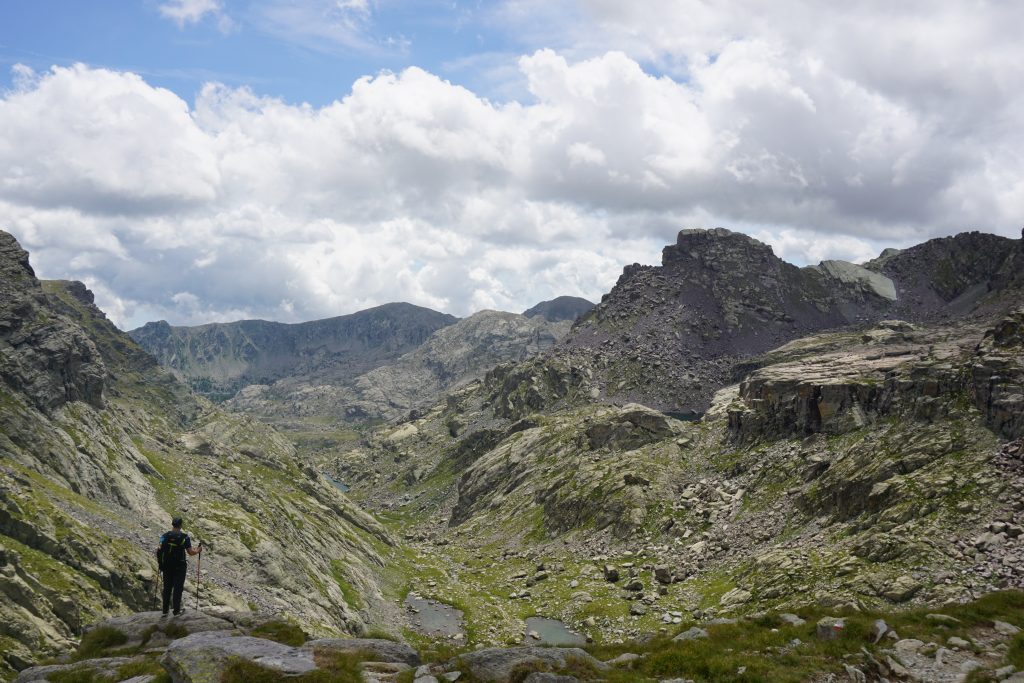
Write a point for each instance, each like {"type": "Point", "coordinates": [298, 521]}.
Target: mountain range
{"type": "Point", "coordinates": [725, 435]}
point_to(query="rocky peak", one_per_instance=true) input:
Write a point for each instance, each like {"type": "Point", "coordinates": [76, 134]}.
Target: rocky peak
{"type": "Point", "coordinates": [14, 265]}
{"type": "Point", "coordinates": [560, 309]}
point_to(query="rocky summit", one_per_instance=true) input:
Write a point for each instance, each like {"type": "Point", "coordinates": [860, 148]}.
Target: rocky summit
{"type": "Point", "coordinates": [730, 469]}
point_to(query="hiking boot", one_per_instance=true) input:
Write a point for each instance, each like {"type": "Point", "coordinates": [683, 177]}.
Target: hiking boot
{"type": "Point", "coordinates": [178, 611]}
{"type": "Point", "coordinates": [163, 614]}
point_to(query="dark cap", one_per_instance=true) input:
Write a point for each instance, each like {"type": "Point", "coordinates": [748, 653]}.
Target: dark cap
{"type": "Point", "coordinates": [176, 522]}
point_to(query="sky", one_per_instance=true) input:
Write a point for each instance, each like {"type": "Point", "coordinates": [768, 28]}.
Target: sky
{"type": "Point", "coordinates": [205, 160]}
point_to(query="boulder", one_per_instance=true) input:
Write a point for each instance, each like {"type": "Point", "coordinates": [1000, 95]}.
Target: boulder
{"type": "Point", "coordinates": [544, 677]}
{"type": "Point", "coordinates": [203, 657]}
{"type": "Point", "coordinates": [663, 574]}
{"type": "Point", "coordinates": [692, 633]}
{"type": "Point", "coordinates": [737, 596]}
{"type": "Point", "coordinates": [830, 628]}
{"type": "Point", "coordinates": [497, 664]}
{"type": "Point", "coordinates": [376, 649]}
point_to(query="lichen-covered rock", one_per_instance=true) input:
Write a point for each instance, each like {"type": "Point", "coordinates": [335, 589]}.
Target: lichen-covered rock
{"type": "Point", "coordinates": [496, 664]}
{"type": "Point", "coordinates": [376, 649]}
{"type": "Point", "coordinates": [100, 668]}
{"type": "Point", "coordinates": [203, 657]}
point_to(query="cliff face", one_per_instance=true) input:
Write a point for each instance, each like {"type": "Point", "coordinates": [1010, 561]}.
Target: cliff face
{"type": "Point", "coordinates": [99, 447]}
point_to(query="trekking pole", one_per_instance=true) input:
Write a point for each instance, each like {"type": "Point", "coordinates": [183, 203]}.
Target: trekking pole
{"type": "Point", "coordinates": [199, 585]}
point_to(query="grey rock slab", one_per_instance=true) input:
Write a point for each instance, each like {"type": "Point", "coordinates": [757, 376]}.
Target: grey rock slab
{"type": "Point", "coordinates": [202, 657]}
{"type": "Point", "coordinates": [692, 633]}
{"type": "Point", "coordinates": [425, 679]}
{"type": "Point", "coordinates": [376, 649]}
{"type": "Point", "coordinates": [497, 664]}
{"type": "Point", "coordinates": [625, 659]}
{"type": "Point", "coordinates": [134, 625]}
{"type": "Point", "coordinates": [792, 619]}
{"type": "Point", "coordinates": [105, 666]}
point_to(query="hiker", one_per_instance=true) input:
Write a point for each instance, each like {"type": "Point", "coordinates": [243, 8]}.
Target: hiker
{"type": "Point", "coordinates": [171, 558]}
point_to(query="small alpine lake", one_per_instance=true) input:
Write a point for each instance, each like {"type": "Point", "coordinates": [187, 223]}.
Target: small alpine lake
{"type": "Point", "coordinates": [433, 618]}
{"type": "Point", "coordinates": [545, 631]}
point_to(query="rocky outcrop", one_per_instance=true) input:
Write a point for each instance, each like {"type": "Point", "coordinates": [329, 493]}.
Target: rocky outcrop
{"type": "Point", "coordinates": [42, 354]}
{"type": "Point", "coordinates": [997, 375]}
{"type": "Point", "coordinates": [892, 370]}
{"type": "Point", "coordinates": [559, 309]}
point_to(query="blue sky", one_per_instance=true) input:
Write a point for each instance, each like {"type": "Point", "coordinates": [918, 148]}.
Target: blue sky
{"type": "Point", "coordinates": [460, 41]}
{"type": "Point", "coordinates": [200, 160]}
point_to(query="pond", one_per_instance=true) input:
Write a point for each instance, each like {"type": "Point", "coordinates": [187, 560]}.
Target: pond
{"type": "Point", "coordinates": [344, 488]}
{"type": "Point", "coordinates": [550, 632]}
{"type": "Point", "coordinates": [433, 618]}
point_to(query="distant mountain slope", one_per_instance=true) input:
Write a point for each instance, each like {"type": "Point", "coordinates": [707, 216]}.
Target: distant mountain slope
{"type": "Point", "coordinates": [560, 308]}
{"type": "Point", "coordinates": [99, 446]}
{"type": "Point", "coordinates": [452, 357]}
{"type": "Point", "coordinates": [220, 358]}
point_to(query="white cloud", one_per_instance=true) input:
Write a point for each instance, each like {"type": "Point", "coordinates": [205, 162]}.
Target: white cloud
{"type": "Point", "coordinates": [412, 188]}
{"type": "Point", "coordinates": [184, 12]}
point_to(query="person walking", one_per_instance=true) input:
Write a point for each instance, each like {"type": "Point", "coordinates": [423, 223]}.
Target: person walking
{"type": "Point", "coordinates": [172, 558]}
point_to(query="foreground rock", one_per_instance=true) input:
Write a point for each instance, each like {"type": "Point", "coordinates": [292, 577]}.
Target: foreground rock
{"type": "Point", "coordinates": [203, 657]}
{"type": "Point", "coordinates": [379, 650]}
{"type": "Point", "coordinates": [495, 664]}
{"type": "Point", "coordinates": [106, 667]}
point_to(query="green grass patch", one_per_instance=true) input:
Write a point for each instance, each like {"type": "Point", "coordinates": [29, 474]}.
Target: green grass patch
{"type": "Point", "coordinates": [352, 597]}
{"type": "Point", "coordinates": [333, 667]}
{"type": "Point", "coordinates": [282, 632]}
{"type": "Point", "coordinates": [98, 641]}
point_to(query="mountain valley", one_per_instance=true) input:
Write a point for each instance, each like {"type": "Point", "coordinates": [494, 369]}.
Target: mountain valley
{"type": "Point", "coordinates": [724, 436]}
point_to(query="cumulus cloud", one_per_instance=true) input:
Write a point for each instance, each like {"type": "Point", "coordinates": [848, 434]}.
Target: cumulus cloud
{"type": "Point", "coordinates": [411, 188]}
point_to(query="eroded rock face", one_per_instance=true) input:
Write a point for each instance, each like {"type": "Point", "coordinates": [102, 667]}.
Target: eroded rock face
{"type": "Point", "coordinates": [997, 374]}
{"type": "Point", "coordinates": [42, 354]}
